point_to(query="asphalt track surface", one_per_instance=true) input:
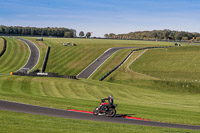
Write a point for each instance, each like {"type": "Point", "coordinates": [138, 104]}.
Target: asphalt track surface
{"type": "Point", "coordinates": [89, 70]}
{"type": "Point", "coordinates": [32, 109]}
{"type": "Point", "coordinates": [34, 55]}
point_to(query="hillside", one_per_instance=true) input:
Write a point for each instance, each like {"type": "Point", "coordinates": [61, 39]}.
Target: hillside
{"type": "Point", "coordinates": [15, 56]}
{"type": "Point", "coordinates": [146, 95]}
{"type": "Point", "coordinates": [69, 60]}
{"type": "Point", "coordinates": [1, 44]}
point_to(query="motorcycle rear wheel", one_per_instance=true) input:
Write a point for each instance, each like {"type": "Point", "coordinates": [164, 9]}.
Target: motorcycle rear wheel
{"type": "Point", "coordinates": [111, 112]}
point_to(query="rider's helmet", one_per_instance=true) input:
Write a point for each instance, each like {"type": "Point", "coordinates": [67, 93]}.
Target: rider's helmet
{"type": "Point", "coordinates": [111, 99]}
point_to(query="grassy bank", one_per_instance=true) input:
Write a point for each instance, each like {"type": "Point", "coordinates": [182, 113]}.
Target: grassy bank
{"type": "Point", "coordinates": [12, 122]}
{"type": "Point", "coordinates": [15, 56]}
{"type": "Point", "coordinates": [1, 44]}
{"type": "Point", "coordinates": [177, 64]}
{"type": "Point", "coordinates": [138, 86]}
{"type": "Point", "coordinates": [112, 62]}
{"type": "Point", "coordinates": [134, 97]}
{"type": "Point", "coordinates": [72, 60]}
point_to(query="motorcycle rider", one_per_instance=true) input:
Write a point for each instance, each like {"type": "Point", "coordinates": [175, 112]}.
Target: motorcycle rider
{"type": "Point", "coordinates": [107, 109]}
{"type": "Point", "coordinates": [110, 100]}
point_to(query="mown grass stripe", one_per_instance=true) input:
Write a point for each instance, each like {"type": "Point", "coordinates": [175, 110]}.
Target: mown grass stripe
{"type": "Point", "coordinates": [14, 57]}
{"type": "Point", "coordinates": [1, 44]}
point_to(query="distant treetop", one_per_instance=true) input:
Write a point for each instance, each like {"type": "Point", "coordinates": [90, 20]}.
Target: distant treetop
{"type": "Point", "coordinates": [157, 34]}
{"type": "Point", "coordinates": [35, 31]}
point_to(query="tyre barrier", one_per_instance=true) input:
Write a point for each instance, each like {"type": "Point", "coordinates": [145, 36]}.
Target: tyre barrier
{"type": "Point", "coordinates": [45, 60]}
{"type": "Point", "coordinates": [4, 48]}
{"type": "Point", "coordinates": [107, 74]}
{"type": "Point", "coordinates": [34, 74]}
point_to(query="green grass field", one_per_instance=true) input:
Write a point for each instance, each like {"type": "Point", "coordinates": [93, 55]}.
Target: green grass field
{"type": "Point", "coordinates": [135, 86]}
{"type": "Point", "coordinates": [108, 65]}
{"type": "Point", "coordinates": [124, 72]}
{"type": "Point", "coordinates": [177, 64]}
{"type": "Point", "coordinates": [72, 60]}
{"type": "Point", "coordinates": [142, 100]}
{"type": "Point", "coordinates": [12, 122]}
{"type": "Point", "coordinates": [1, 44]}
{"type": "Point", "coordinates": [15, 56]}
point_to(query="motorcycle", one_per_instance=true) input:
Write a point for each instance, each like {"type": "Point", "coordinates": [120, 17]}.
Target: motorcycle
{"type": "Point", "coordinates": [105, 109]}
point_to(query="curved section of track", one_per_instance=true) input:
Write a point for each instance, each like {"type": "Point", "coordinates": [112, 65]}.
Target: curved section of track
{"type": "Point", "coordinates": [89, 70]}
{"type": "Point", "coordinates": [31, 109]}
{"type": "Point", "coordinates": [34, 55]}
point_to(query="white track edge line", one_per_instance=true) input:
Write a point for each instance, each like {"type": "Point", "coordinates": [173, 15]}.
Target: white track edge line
{"type": "Point", "coordinates": [38, 57]}
{"type": "Point", "coordinates": [93, 62]}
{"type": "Point", "coordinates": [101, 64]}
{"type": "Point", "coordinates": [30, 53]}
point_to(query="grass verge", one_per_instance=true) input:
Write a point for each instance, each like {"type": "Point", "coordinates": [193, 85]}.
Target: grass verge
{"type": "Point", "coordinates": [13, 122]}
{"type": "Point", "coordinates": [109, 64]}
{"type": "Point", "coordinates": [15, 56]}
{"type": "Point", "coordinates": [146, 99]}
{"type": "Point", "coordinates": [70, 60]}
{"type": "Point", "coordinates": [174, 64]}
{"type": "Point", "coordinates": [1, 44]}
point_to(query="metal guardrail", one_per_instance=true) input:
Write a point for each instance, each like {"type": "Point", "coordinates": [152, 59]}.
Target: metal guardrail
{"type": "Point", "coordinates": [46, 59]}
{"type": "Point", "coordinates": [44, 75]}
{"type": "Point", "coordinates": [4, 48]}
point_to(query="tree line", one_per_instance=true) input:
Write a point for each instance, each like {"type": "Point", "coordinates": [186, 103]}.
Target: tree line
{"type": "Point", "coordinates": [35, 31]}
{"type": "Point", "coordinates": [157, 35]}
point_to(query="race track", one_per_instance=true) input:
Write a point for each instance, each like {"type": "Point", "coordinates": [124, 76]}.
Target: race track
{"type": "Point", "coordinates": [34, 55]}
{"type": "Point", "coordinates": [99, 61]}
{"type": "Point", "coordinates": [31, 109]}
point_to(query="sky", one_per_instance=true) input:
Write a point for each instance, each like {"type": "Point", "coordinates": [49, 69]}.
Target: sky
{"type": "Point", "coordinates": [103, 16]}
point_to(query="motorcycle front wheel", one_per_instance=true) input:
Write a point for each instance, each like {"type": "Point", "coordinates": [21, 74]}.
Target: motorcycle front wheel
{"type": "Point", "coordinates": [96, 111]}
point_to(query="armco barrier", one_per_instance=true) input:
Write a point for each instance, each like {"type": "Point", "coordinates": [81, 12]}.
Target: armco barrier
{"type": "Point", "coordinates": [107, 74]}
{"type": "Point", "coordinates": [44, 75]}
{"type": "Point", "coordinates": [4, 48]}
{"type": "Point", "coordinates": [46, 59]}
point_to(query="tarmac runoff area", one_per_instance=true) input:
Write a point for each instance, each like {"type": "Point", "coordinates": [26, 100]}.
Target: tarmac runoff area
{"type": "Point", "coordinates": [85, 115]}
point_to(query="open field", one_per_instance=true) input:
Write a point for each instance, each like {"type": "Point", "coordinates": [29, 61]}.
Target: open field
{"type": "Point", "coordinates": [145, 95]}
{"type": "Point", "coordinates": [124, 72]}
{"type": "Point", "coordinates": [15, 56]}
{"type": "Point", "coordinates": [12, 122]}
{"type": "Point", "coordinates": [72, 60]}
{"type": "Point", "coordinates": [177, 64]}
{"type": "Point", "coordinates": [175, 107]}
{"type": "Point", "coordinates": [1, 44]}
